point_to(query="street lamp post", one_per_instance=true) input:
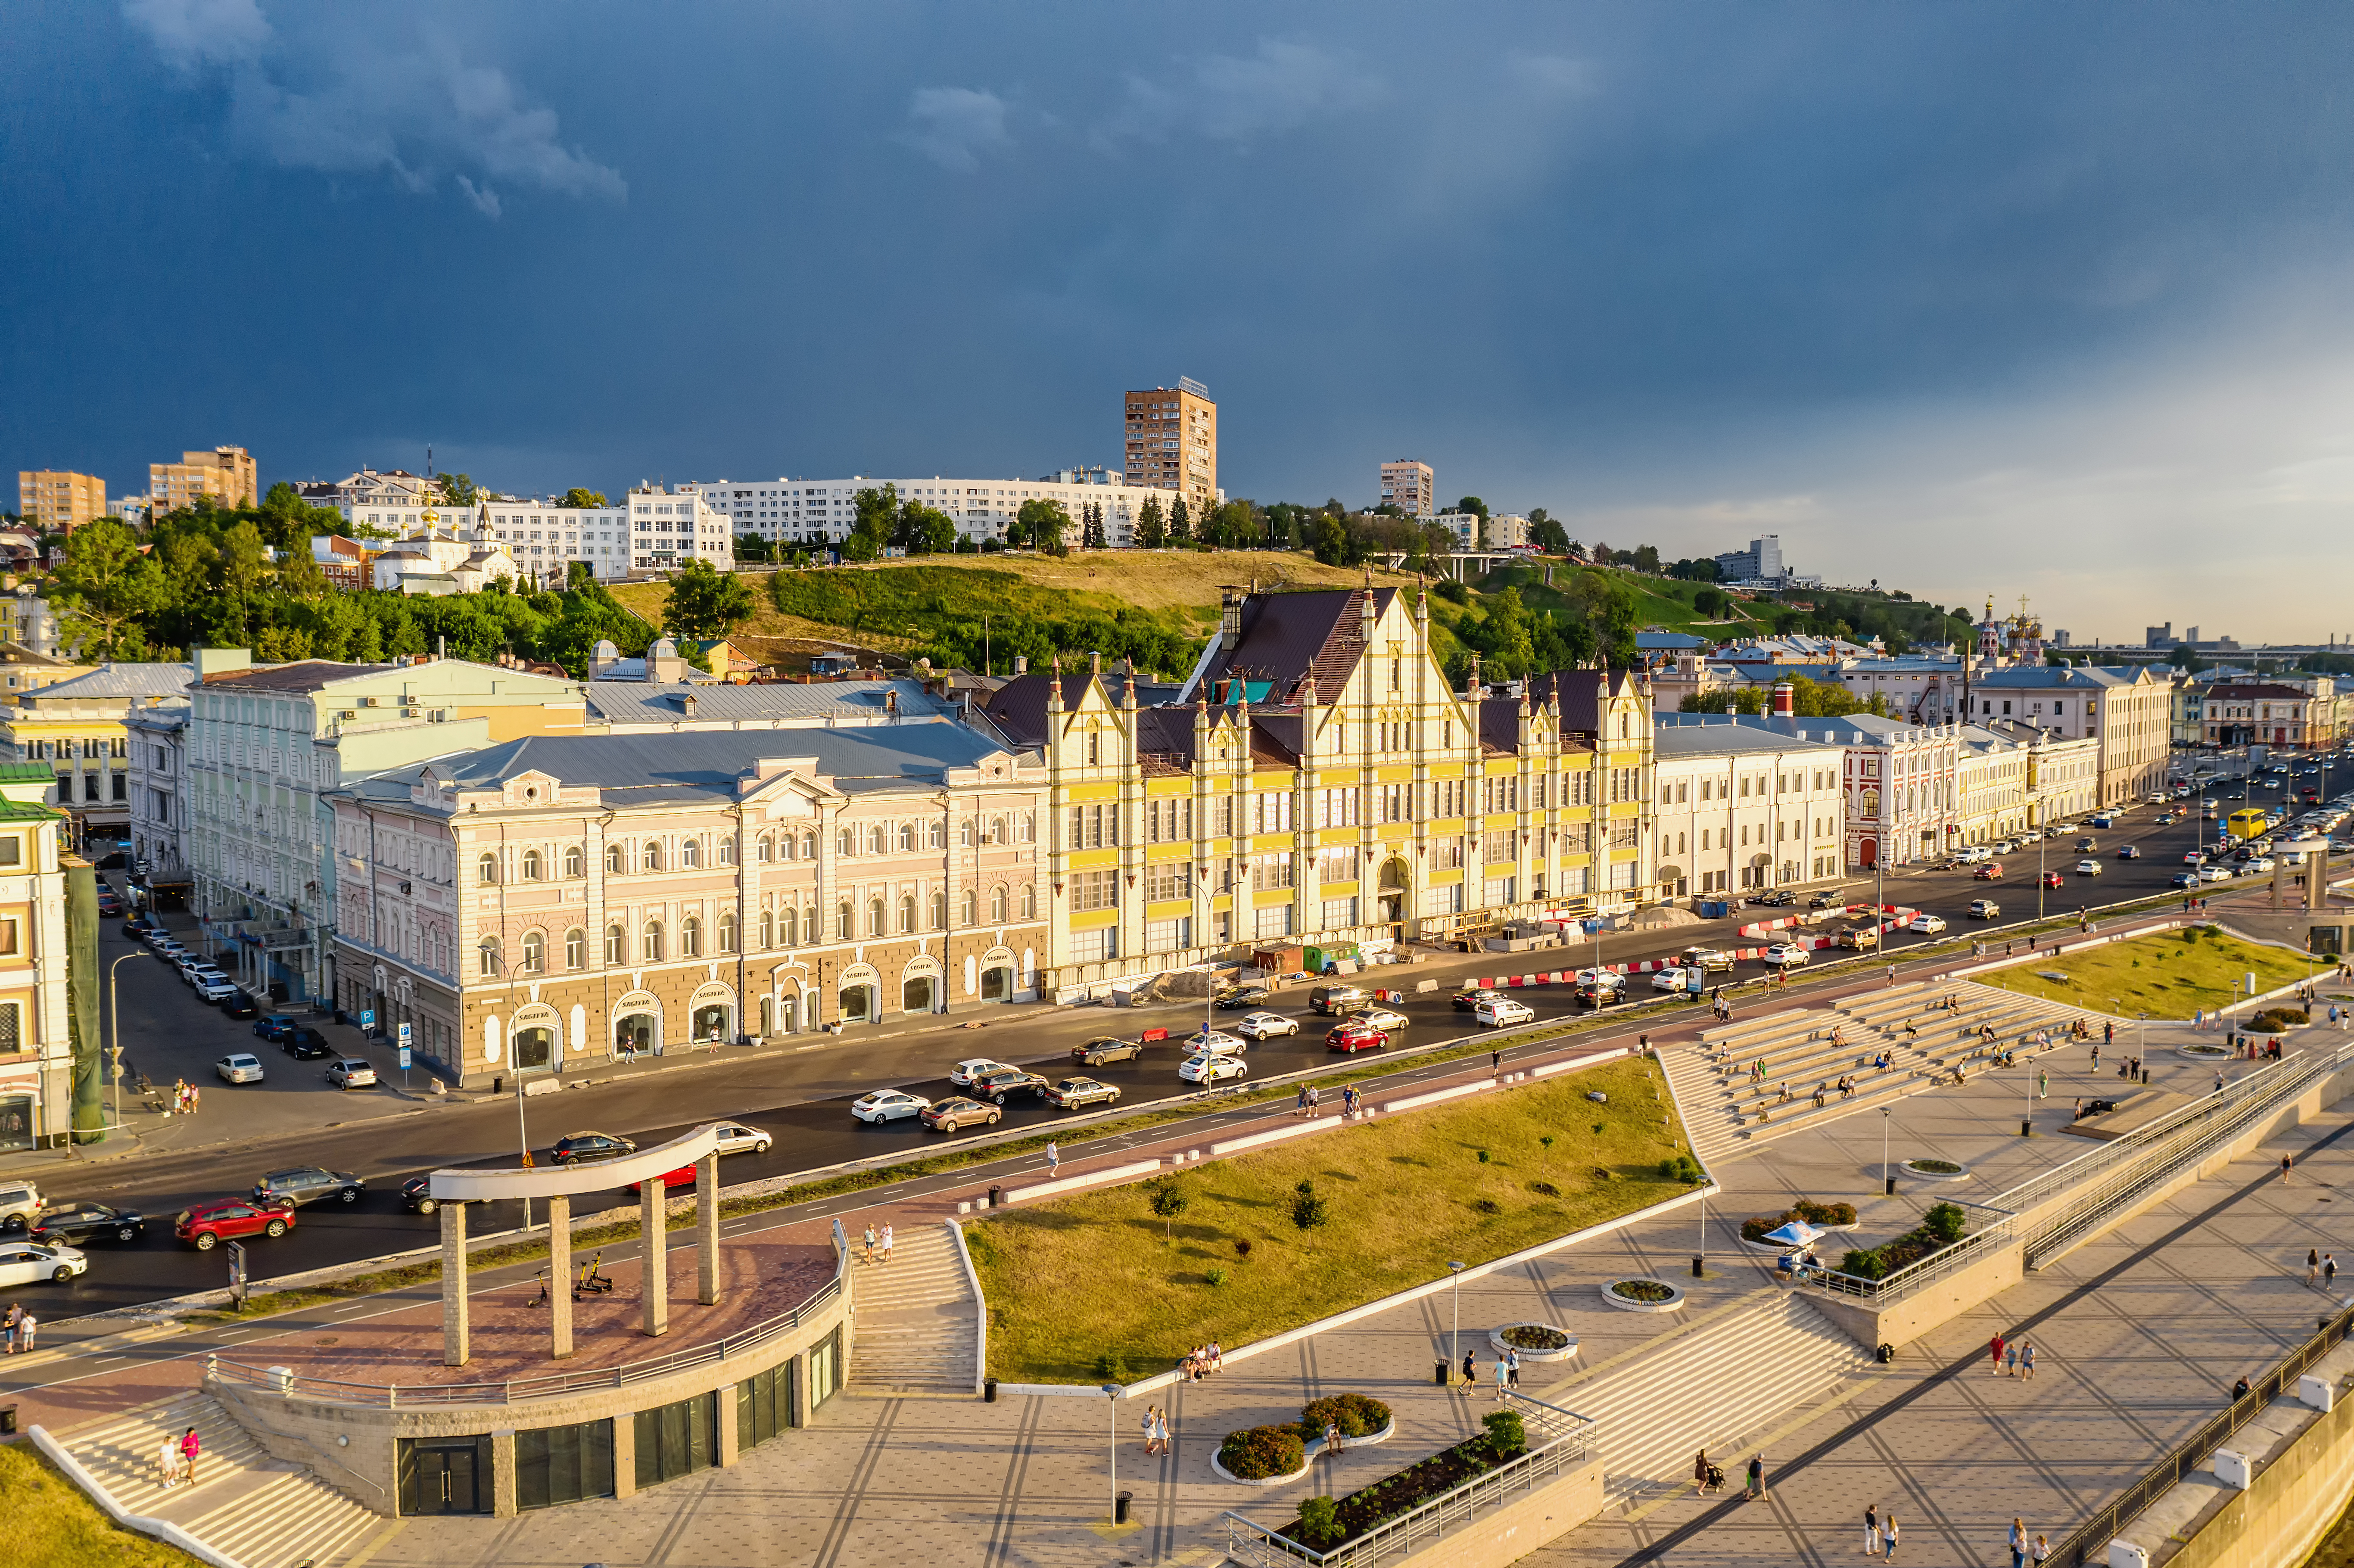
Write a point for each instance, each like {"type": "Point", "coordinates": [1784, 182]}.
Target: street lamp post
{"type": "Point", "coordinates": [1455, 1296]}
{"type": "Point", "coordinates": [1112, 1391]}
{"type": "Point", "coordinates": [1887, 1171]}
{"type": "Point", "coordinates": [114, 1023]}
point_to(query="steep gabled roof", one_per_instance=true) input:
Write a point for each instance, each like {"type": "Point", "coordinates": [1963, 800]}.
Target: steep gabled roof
{"type": "Point", "coordinates": [1284, 636]}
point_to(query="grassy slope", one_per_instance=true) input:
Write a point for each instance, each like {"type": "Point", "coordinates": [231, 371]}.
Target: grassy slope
{"type": "Point", "coordinates": [1070, 1279]}
{"type": "Point", "coordinates": [1661, 603]}
{"type": "Point", "coordinates": [47, 1520]}
{"type": "Point", "coordinates": [2164, 976]}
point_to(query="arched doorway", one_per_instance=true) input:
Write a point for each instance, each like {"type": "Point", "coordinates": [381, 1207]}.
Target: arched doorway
{"type": "Point", "coordinates": [636, 1025]}
{"type": "Point", "coordinates": [997, 975]}
{"type": "Point", "coordinates": [533, 1036]}
{"type": "Point", "coordinates": [1870, 854]}
{"type": "Point", "coordinates": [711, 1019]}
{"type": "Point", "coordinates": [1671, 881]}
{"type": "Point", "coordinates": [920, 985]}
{"type": "Point", "coordinates": [1394, 885]}
{"type": "Point", "coordinates": [859, 994]}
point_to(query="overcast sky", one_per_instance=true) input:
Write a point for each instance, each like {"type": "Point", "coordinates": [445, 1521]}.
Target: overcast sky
{"type": "Point", "coordinates": [1973, 299]}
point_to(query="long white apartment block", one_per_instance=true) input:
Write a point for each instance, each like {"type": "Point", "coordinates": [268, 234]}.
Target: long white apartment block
{"type": "Point", "coordinates": [823, 510]}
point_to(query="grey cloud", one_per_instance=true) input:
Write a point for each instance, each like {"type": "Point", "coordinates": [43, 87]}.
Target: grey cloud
{"type": "Point", "coordinates": [955, 126]}
{"type": "Point", "coordinates": [192, 33]}
{"type": "Point", "coordinates": [1235, 98]}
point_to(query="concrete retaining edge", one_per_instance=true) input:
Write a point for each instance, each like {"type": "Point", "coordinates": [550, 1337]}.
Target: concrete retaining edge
{"type": "Point", "coordinates": [979, 1308]}
{"type": "Point", "coordinates": [1109, 1174]}
{"type": "Point", "coordinates": [161, 1530]}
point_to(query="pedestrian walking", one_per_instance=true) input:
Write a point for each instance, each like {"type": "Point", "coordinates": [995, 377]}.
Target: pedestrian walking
{"type": "Point", "coordinates": [2218, 1080]}
{"type": "Point", "coordinates": [2018, 1543]}
{"type": "Point", "coordinates": [2096, 1058]}
{"type": "Point", "coordinates": [2011, 1359]}
{"type": "Point", "coordinates": [1756, 1476]}
{"type": "Point", "coordinates": [1994, 1351]}
{"type": "Point", "coordinates": [1470, 1370]}
{"type": "Point", "coordinates": [886, 1241]}
{"type": "Point", "coordinates": [1502, 1373]}
{"type": "Point", "coordinates": [2027, 1361]}
{"type": "Point", "coordinates": [8, 1328]}
{"type": "Point", "coordinates": [1889, 1530]}
{"type": "Point", "coordinates": [1151, 1433]}
{"type": "Point", "coordinates": [1512, 1360]}
{"type": "Point", "coordinates": [25, 1327]}
{"type": "Point", "coordinates": [870, 1243]}
{"type": "Point", "coordinates": [2285, 1169]}
{"type": "Point", "coordinates": [2328, 1276]}
{"type": "Point", "coordinates": [167, 1462]}
{"type": "Point", "coordinates": [1495, 1060]}
{"type": "Point", "coordinates": [190, 1445]}
{"type": "Point", "coordinates": [2041, 1552]}
{"type": "Point", "coordinates": [2312, 1266]}
{"type": "Point", "coordinates": [2042, 1084]}
{"type": "Point", "coordinates": [1054, 1158]}
{"type": "Point", "coordinates": [1300, 1103]}
{"type": "Point", "coordinates": [1871, 1530]}
{"type": "Point", "coordinates": [1891, 974]}
{"type": "Point", "coordinates": [1315, 1101]}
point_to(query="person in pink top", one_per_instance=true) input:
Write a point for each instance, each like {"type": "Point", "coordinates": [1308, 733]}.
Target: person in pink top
{"type": "Point", "coordinates": [188, 1447]}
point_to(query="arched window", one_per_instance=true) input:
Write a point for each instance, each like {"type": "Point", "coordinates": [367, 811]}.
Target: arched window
{"type": "Point", "coordinates": [1029, 902]}
{"type": "Point", "coordinates": [768, 849]}
{"type": "Point", "coordinates": [617, 944]}
{"type": "Point", "coordinates": [844, 930]}
{"type": "Point", "coordinates": [875, 840]}
{"type": "Point", "coordinates": [689, 938]}
{"type": "Point", "coordinates": [939, 909]}
{"type": "Point", "coordinates": [534, 867]}
{"type": "Point", "coordinates": [723, 853]}
{"type": "Point", "coordinates": [874, 916]}
{"type": "Point", "coordinates": [727, 932]}
{"type": "Point", "coordinates": [575, 862]}
{"type": "Point", "coordinates": [906, 912]}
{"type": "Point", "coordinates": [845, 842]}
{"type": "Point", "coordinates": [906, 837]}
{"type": "Point", "coordinates": [809, 845]}
{"type": "Point", "coordinates": [486, 958]}
{"type": "Point", "coordinates": [971, 907]}
{"type": "Point", "coordinates": [937, 834]}
{"type": "Point", "coordinates": [651, 857]}
{"type": "Point", "coordinates": [994, 830]}
{"type": "Point", "coordinates": [576, 948]}
{"type": "Point", "coordinates": [768, 928]}
{"type": "Point", "coordinates": [486, 868]}
{"type": "Point", "coordinates": [787, 927]}
{"type": "Point", "coordinates": [650, 942]}
{"type": "Point", "coordinates": [690, 853]}
{"type": "Point", "coordinates": [997, 905]}
{"type": "Point", "coordinates": [1029, 827]}
{"type": "Point", "coordinates": [614, 861]}
{"type": "Point", "coordinates": [534, 952]}
{"type": "Point", "coordinates": [964, 833]}
{"type": "Point", "coordinates": [809, 924]}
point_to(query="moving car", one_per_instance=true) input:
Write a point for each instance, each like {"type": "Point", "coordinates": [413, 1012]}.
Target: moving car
{"type": "Point", "coordinates": [351, 1073]}
{"type": "Point", "coordinates": [2215, 874]}
{"type": "Point", "coordinates": [1784, 956]}
{"type": "Point", "coordinates": [1073, 1093]}
{"type": "Point", "coordinates": [681, 1177]}
{"type": "Point", "coordinates": [1599, 977]}
{"type": "Point", "coordinates": [1926, 924]}
{"type": "Point", "coordinates": [302, 1043]}
{"type": "Point", "coordinates": [1381, 1018]}
{"type": "Point", "coordinates": [1217, 1040]}
{"type": "Point", "coordinates": [888, 1105]}
{"type": "Point", "coordinates": [995, 1086]}
{"type": "Point", "coordinates": [1779, 898]}
{"type": "Point", "coordinates": [2051, 879]}
{"type": "Point", "coordinates": [417, 1195]}
{"type": "Point", "coordinates": [1600, 996]}
{"type": "Point", "coordinates": [1678, 978]}
{"type": "Point", "coordinates": [1464, 1001]}
{"type": "Point", "coordinates": [1705, 958]}
{"type": "Point", "coordinates": [956, 1113]}
{"type": "Point", "coordinates": [2129, 852]}
{"type": "Point", "coordinates": [300, 1184]}
{"type": "Point", "coordinates": [1991, 872]}
{"type": "Point", "coordinates": [2184, 879]}
{"type": "Point", "coordinates": [972, 1067]}
{"type": "Point", "coordinates": [1243, 996]}
{"type": "Point", "coordinates": [275, 1025]}
{"type": "Point", "coordinates": [79, 1222]}
{"type": "Point", "coordinates": [1265, 1025]}
{"type": "Point", "coordinates": [1859, 939]}
{"type": "Point", "coordinates": [582, 1148]}
{"type": "Point", "coordinates": [22, 1263]}
{"type": "Point", "coordinates": [1985, 909]}
{"type": "Point", "coordinates": [1354, 1035]}
{"type": "Point", "coordinates": [2193, 857]}
{"type": "Point", "coordinates": [1105, 1048]}
{"type": "Point", "coordinates": [2258, 864]}
{"type": "Point", "coordinates": [738, 1138]}
{"type": "Point", "coordinates": [1501, 1012]}
{"type": "Point", "coordinates": [239, 1067]}
{"type": "Point", "coordinates": [1335, 998]}
{"type": "Point", "coordinates": [1204, 1068]}
{"type": "Point", "coordinates": [2088, 868]}
{"type": "Point", "coordinates": [206, 1226]}
{"type": "Point", "coordinates": [2088, 846]}
{"type": "Point", "coordinates": [20, 1201]}
{"type": "Point", "coordinates": [1828, 898]}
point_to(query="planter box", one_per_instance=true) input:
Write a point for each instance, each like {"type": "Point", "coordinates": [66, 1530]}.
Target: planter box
{"type": "Point", "coordinates": [1496, 1342]}
{"type": "Point", "coordinates": [1674, 1301]}
{"type": "Point", "coordinates": [1911, 1169]}
{"type": "Point", "coordinates": [1226, 1474]}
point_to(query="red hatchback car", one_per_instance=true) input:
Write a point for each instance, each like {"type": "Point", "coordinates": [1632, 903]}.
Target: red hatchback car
{"type": "Point", "coordinates": [227, 1219]}
{"type": "Point", "coordinates": [1353, 1036]}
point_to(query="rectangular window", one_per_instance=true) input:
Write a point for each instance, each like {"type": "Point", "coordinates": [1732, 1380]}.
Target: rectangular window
{"type": "Point", "coordinates": [764, 1406]}
{"type": "Point", "coordinates": [1270, 871]}
{"type": "Point", "coordinates": [1171, 879]}
{"type": "Point", "coordinates": [678, 1440]}
{"type": "Point", "coordinates": [12, 850]}
{"type": "Point", "coordinates": [563, 1464]}
{"type": "Point", "coordinates": [1168, 935]}
{"type": "Point", "coordinates": [12, 1036]}
{"type": "Point", "coordinates": [1498, 847]}
{"type": "Point", "coordinates": [1095, 947]}
{"type": "Point", "coordinates": [1500, 890]}
{"type": "Point", "coordinates": [1622, 834]}
{"type": "Point", "coordinates": [1095, 890]}
{"type": "Point", "coordinates": [1339, 914]}
{"type": "Point", "coordinates": [1275, 922]}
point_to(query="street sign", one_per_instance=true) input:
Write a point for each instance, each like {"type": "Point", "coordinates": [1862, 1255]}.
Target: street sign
{"type": "Point", "coordinates": [236, 1277]}
{"type": "Point", "coordinates": [368, 1018]}
{"type": "Point", "coordinates": [404, 1055]}
{"type": "Point", "coordinates": [404, 1033]}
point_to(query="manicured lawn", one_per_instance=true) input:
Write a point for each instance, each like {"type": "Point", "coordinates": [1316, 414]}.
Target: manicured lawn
{"type": "Point", "coordinates": [1071, 1280]}
{"type": "Point", "coordinates": [48, 1521]}
{"type": "Point", "coordinates": [2164, 976]}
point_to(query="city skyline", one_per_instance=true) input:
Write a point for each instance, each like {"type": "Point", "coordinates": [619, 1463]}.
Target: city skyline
{"type": "Point", "coordinates": [1879, 287]}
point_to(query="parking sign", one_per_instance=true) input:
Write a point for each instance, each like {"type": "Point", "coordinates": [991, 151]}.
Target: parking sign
{"type": "Point", "coordinates": [368, 1018]}
{"type": "Point", "coordinates": [404, 1056]}
{"type": "Point", "coordinates": [404, 1033]}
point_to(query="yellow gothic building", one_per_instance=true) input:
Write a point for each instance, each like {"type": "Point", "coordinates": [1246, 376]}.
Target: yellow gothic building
{"type": "Point", "coordinates": [1315, 780]}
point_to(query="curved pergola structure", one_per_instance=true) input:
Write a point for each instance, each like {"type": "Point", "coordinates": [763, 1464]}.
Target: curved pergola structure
{"type": "Point", "coordinates": [558, 1185]}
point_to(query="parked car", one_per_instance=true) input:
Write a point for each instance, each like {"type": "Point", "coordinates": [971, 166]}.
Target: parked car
{"type": "Point", "coordinates": [2088, 868]}
{"type": "Point", "coordinates": [972, 1067]}
{"type": "Point", "coordinates": [2129, 852]}
{"type": "Point", "coordinates": [995, 1086]}
{"type": "Point", "coordinates": [1388, 1020]}
{"type": "Point", "coordinates": [1105, 1048]}
{"type": "Point", "coordinates": [1985, 909]}
{"type": "Point", "coordinates": [1859, 939]}
{"type": "Point", "coordinates": [2051, 879]}
{"type": "Point", "coordinates": [1924, 924]}
{"type": "Point", "coordinates": [300, 1184]}
{"type": "Point", "coordinates": [1705, 958]}
{"type": "Point", "coordinates": [304, 1043]}
{"type": "Point", "coordinates": [20, 1201]}
{"type": "Point", "coordinates": [80, 1223]}
{"type": "Point", "coordinates": [206, 1226]}
{"type": "Point", "coordinates": [351, 1073]}
{"type": "Point", "coordinates": [585, 1147]}
{"type": "Point", "coordinates": [956, 1113]}
{"type": "Point", "coordinates": [275, 1025]}
{"type": "Point", "coordinates": [137, 928]}
{"type": "Point", "coordinates": [1335, 998]}
{"type": "Point", "coordinates": [240, 1005]}
{"type": "Point", "coordinates": [1352, 1036]}
{"type": "Point", "coordinates": [1779, 898]}
{"type": "Point", "coordinates": [1466, 1001]}
{"type": "Point", "coordinates": [1828, 898]}
{"type": "Point", "coordinates": [1234, 997]}
{"type": "Point", "coordinates": [417, 1195]}
{"type": "Point", "coordinates": [1786, 956]}
{"type": "Point", "coordinates": [1204, 1068]}
{"type": "Point", "coordinates": [1502, 1011]}
{"type": "Point", "coordinates": [203, 972]}
{"type": "Point", "coordinates": [1265, 1025]}
{"type": "Point", "coordinates": [888, 1105]}
{"type": "Point", "coordinates": [216, 990]}
{"type": "Point", "coordinates": [1073, 1093]}
{"type": "Point", "coordinates": [1991, 872]}
{"type": "Point", "coordinates": [239, 1067]}
{"type": "Point", "coordinates": [23, 1263]}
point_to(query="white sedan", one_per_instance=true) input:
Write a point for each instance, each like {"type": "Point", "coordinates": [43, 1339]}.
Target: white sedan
{"type": "Point", "coordinates": [26, 1264]}
{"type": "Point", "coordinates": [240, 1067]}
{"type": "Point", "coordinates": [2215, 874]}
{"type": "Point", "coordinates": [2088, 868]}
{"type": "Point", "coordinates": [888, 1105]}
{"type": "Point", "coordinates": [1676, 980]}
{"type": "Point", "coordinates": [1601, 977]}
{"type": "Point", "coordinates": [971, 1067]}
{"type": "Point", "coordinates": [1784, 956]}
{"type": "Point", "coordinates": [1265, 1025]}
{"type": "Point", "coordinates": [1926, 924]}
{"type": "Point", "coordinates": [1216, 1041]}
{"type": "Point", "coordinates": [1381, 1018]}
{"type": "Point", "coordinates": [1204, 1067]}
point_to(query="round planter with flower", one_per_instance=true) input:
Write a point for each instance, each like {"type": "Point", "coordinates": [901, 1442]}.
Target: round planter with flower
{"type": "Point", "coordinates": [1639, 1295]}
{"type": "Point", "coordinates": [1936, 1169]}
{"type": "Point", "coordinates": [1534, 1341]}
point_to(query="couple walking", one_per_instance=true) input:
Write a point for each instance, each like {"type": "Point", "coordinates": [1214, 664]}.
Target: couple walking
{"type": "Point", "coordinates": [1156, 1430]}
{"type": "Point", "coordinates": [175, 1461]}
{"type": "Point", "coordinates": [878, 1247]}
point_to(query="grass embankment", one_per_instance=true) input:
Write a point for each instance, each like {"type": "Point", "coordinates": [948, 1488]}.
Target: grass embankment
{"type": "Point", "coordinates": [45, 1520]}
{"type": "Point", "coordinates": [2171, 976]}
{"type": "Point", "coordinates": [1076, 1281]}
{"type": "Point", "coordinates": [1662, 603]}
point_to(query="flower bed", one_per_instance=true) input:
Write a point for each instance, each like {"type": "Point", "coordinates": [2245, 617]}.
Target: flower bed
{"type": "Point", "coordinates": [1643, 1295]}
{"type": "Point", "coordinates": [1937, 1170]}
{"type": "Point", "coordinates": [2204, 1052]}
{"type": "Point", "coordinates": [1355, 1415]}
{"type": "Point", "coordinates": [1941, 1227]}
{"type": "Point", "coordinates": [1324, 1523]}
{"type": "Point", "coordinates": [1262, 1455]}
{"type": "Point", "coordinates": [1823, 1216]}
{"type": "Point", "coordinates": [1534, 1341]}
{"type": "Point", "coordinates": [2278, 1019]}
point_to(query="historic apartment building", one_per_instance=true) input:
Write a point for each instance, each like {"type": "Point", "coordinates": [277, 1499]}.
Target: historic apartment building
{"type": "Point", "coordinates": [1742, 809]}
{"type": "Point", "coordinates": [537, 905]}
{"type": "Point", "coordinates": [2127, 712]}
{"type": "Point", "coordinates": [78, 729]}
{"type": "Point", "coordinates": [36, 1054]}
{"type": "Point", "coordinates": [1316, 778]}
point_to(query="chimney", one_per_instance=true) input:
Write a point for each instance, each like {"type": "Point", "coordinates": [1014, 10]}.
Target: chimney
{"type": "Point", "coordinates": [1230, 617]}
{"type": "Point", "coordinates": [1021, 663]}
{"type": "Point", "coordinates": [1784, 693]}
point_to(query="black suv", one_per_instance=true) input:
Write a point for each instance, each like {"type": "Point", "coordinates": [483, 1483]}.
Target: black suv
{"type": "Point", "coordinates": [581, 1147]}
{"type": "Point", "coordinates": [1006, 1080]}
{"type": "Point", "coordinates": [1105, 1048]}
{"type": "Point", "coordinates": [1781, 897]}
{"type": "Point", "coordinates": [303, 1184]}
{"type": "Point", "coordinates": [302, 1043]}
{"type": "Point", "coordinates": [78, 1222]}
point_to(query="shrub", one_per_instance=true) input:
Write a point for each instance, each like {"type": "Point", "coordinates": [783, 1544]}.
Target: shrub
{"type": "Point", "coordinates": [1112, 1366]}
{"type": "Point", "coordinates": [1506, 1436]}
{"type": "Point", "coordinates": [1547, 1188]}
{"type": "Point", "coordinates": [1681, 1168]}
{"type": "Point", "coordinates": [1260, 1453]}
{"type": "Point", "coordinates": [1353, 1413]}
{"type": "Point", "coordinates": [1487, 1205]}
{"type": "Point", "coordinates": [2278, 1019]}
{"type": "Point", "coordinates": [1604, 1173]}
{"type": "Point", "coordinates": [1242, 1246]}
{"type": "Point", "coordinates": [1308, 1210]}
{"type": "Point", "coordinates": [1816, 1213]}
{"type": "Point", "coordinates": [1319, 1522]}
{"type": "Point", "coordinates": [1946, 1222]}
{"type": "Point", "coordinates": [1485, 1157]}
{"type": "Point", "coordinates": [1213, 1276]}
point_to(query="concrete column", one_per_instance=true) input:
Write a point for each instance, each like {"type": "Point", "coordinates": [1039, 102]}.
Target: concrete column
{"type": "Point", "coordinates": [559, 1276]}
{"type": "Point", "coordinates": [654, 1277]}
{"type": "Point", "coordinates": [625, 1456]}
{"type": "Point", "coordinates": [457, 1345]}
{"type": "Point", "coordinates": [706, 1229]}
{"type": "Point", "coordinates": [799, 1390]}
{"type": "Point", "coordinates": [729, 1397]}
{"type": "Point", "coordinates": [503, 1472]}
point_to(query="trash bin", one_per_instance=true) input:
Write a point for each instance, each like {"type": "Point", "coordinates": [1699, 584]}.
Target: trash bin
{"type": "Point", "coordinates": [996, 1196]}
{"type": "Point", "coordinates": [1439, 1373]}
{"type": "Point", "coordinates": [1120, 1507]}
{"type": "Point", "coordinates": [7, 1420]}
{"type": "Point", "coordinates": [989, 1392]}
{"type": "Point", "coordinates": [1884, 1354]}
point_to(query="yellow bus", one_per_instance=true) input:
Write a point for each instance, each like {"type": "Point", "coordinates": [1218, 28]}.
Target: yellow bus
{"type": "Point", "coordinates": [2252, 823]}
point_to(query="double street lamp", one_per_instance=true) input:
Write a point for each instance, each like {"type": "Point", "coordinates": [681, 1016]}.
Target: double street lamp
{"type": "Point", "coordinates": [114, 1023]}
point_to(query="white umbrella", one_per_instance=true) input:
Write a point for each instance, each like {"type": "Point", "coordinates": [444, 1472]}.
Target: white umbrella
{"type": "Point", "coordinates": [1798, 1233]}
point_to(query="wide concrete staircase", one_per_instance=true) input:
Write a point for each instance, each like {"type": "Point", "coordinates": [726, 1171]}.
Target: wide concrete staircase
{"type": "Point", "coordinates": [1722, 1385]}
{"type": "Point", "coordinates": [1804, 1049]}
{"type": "Point", "coordinates": [257, 1511]}
{"type": "Point", "coordinates": [917, 1321]}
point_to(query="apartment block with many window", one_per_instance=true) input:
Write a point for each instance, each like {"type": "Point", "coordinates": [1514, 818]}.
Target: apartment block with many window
{"type": "Point", "coordinates": [821, 511]}
{"type": "Point", "coordinates": [225, 473]}
{"type": "Point", "coordinates": [1410, 486]}
{"type": "Point", "coordinates": [78, 730]}
{"type": "Point", "coordinates": [57, 500]}
{"type": "Point", "coordinates": [1172, 442]}
{"type": "Point", "coordinates": [1739, 811]}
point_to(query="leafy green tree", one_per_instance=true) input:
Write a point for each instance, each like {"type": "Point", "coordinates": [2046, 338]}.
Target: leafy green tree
{"type": "Point", "coordinates": [705, 603]}
{"type": "Point", "coordinates": [244, 564]}
{"type": "Point", "coordinates": [1152, 523]}
{"type": "Point", "coordinates": [1169, 1200]}
{"type": "Point", "coordinates": [104, 586]}
{"type": "Point", "coordinates": [922, 530]}
{"type": "Point", "coordinates": [576, 497]}
{"type": "Point", "coordinates": [458, 490]}
{"type": "Point", "coordinates": [1474, 505]}
{"type": "Point", "coordinates": [750, 548]}
{"type": "Point", "coordinates": [1547, 533]}
{"type": "Point", "coordinates": [1041, 523]}
{"type": "Point", "coordinates": [878, 513]}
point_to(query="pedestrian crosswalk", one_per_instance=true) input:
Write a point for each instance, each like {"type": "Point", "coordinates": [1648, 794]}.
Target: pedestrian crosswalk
{"type": "Point", "coordinates": [917, 1320]}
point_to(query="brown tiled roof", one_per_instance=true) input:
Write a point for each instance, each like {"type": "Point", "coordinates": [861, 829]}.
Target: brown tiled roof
{"type": "Point", "coordinates": [1288, 635]}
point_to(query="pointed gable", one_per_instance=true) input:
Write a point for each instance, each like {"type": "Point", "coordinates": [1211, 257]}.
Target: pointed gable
{"type": "Point", "coordinates": [1286, 638]}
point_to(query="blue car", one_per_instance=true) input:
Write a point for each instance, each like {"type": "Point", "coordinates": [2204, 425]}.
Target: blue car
{"type": "Point", "coordinates": [274, 1026]}
{"type": "Point", "coordinates": [2185, 879]}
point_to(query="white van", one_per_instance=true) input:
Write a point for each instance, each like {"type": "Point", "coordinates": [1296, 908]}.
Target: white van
{"type": "Point", "coordinates": [1502, 1010]}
